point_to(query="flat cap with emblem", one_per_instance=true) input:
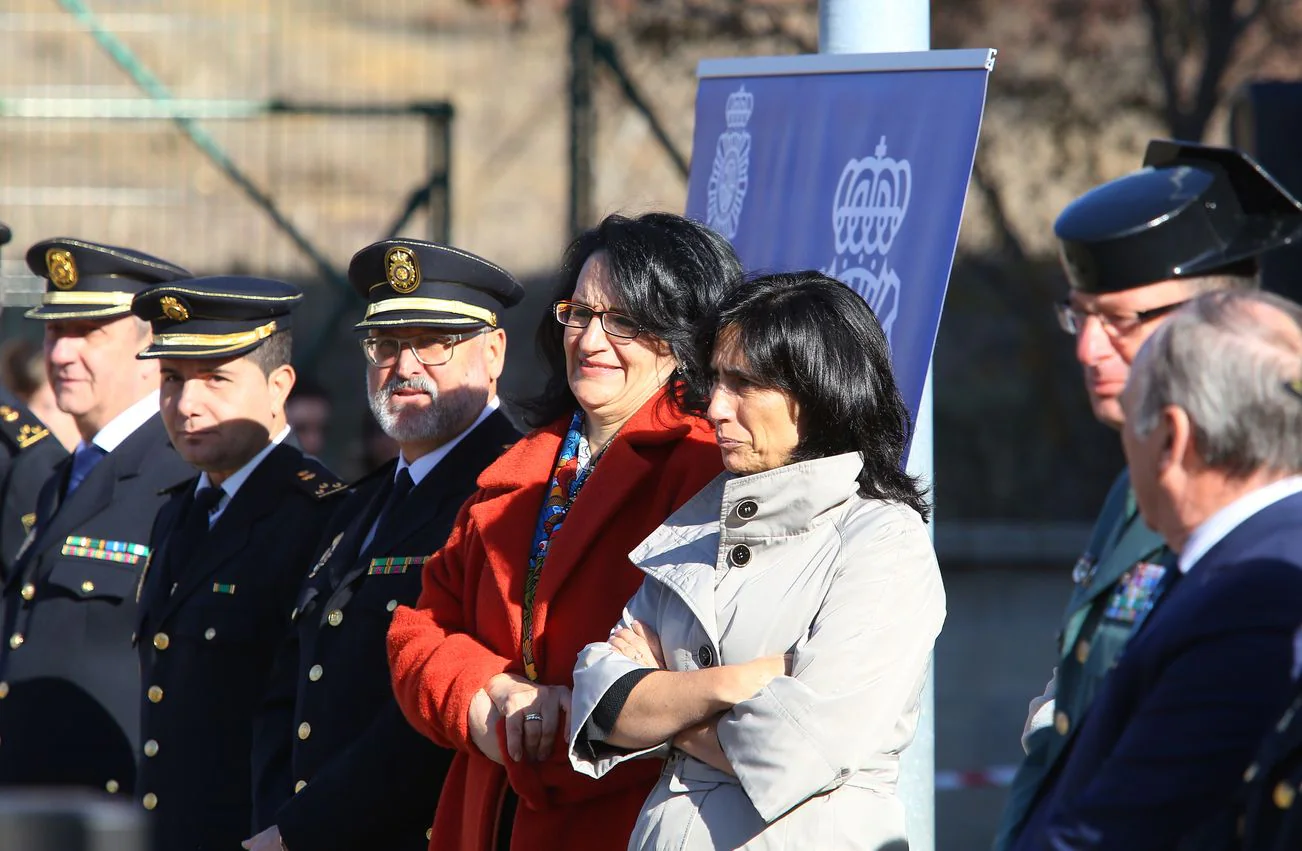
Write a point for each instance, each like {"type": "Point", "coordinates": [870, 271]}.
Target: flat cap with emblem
{"type": "Point", "coordinates": [230, 548]}
{"type": "Point", "coordinates": [28, 455]}
{"type": "Point", "coordinates": [411, 282]}
{"type": "Point", "coordinates": [69, 705]}
{"type": "Point", "coordinates": [86, 280]}
{"type": "Point", "coordinates": [337, 765]}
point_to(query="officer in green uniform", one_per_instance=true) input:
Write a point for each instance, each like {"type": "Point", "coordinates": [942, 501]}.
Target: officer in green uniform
{"type": "Point", "coordinates": [1194, 219]}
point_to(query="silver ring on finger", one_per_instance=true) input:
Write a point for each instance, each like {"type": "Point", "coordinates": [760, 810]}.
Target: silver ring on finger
{"type": "Point", "coordinates": [533, 716]}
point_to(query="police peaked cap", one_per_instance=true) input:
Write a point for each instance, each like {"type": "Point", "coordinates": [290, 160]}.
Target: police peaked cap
{"type": "Point", "coordinates": [410, 282]}
{"type": "Point", "coordinates": [215, 317]}
{"type": "Point", "coordinates": [87, 280]}
{"type": "Point", "coordinates": [1192, 210]}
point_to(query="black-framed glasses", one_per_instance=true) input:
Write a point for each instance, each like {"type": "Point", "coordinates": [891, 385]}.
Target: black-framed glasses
{"type": "Point", "coordinates": [1072, 318]}
{"type": "Point", "coordinates": [571, 314]}
{"type": "Point", "coordinates": [428, 349]}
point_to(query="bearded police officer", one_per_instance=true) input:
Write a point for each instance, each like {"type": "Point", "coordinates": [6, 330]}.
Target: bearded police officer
{"type": "Point", "coordinates": [28, 455]}
{"type": "Point", "coordinates": [1194, 219]}
{"type": "Point", "coordinates": [229, 549]}
{"type": "Point", "coordinates": [69, 699]}
{"type": "Point", "coordinates": [337, 766]}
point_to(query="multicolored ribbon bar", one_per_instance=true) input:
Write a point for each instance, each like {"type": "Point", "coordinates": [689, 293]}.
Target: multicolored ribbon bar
{"type": "Point", "coordinates": [394, 564]}
{"type": "Point", "coordinates": [122, 552]}
{"type": "Point", "coordinates": [223, 588]}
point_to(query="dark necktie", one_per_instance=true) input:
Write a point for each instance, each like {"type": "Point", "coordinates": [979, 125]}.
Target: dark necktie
{"type": "Point", "coordinates": [187, 536]}
{"type": "Point", "coordinates": [402, 486]}
{"type": "Point", "coordinates": [83, 461]}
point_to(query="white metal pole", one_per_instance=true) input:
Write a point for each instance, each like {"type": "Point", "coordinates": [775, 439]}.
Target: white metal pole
{"type": "Point", "coordinates": [893, 26]}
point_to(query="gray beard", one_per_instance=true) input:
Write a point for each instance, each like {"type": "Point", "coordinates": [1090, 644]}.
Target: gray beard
{"type": "Point", "coordinates": [446, 417]}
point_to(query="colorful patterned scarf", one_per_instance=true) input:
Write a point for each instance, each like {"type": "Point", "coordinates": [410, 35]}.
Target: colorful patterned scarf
{"type": "Point", "coordinates": [573, 465]}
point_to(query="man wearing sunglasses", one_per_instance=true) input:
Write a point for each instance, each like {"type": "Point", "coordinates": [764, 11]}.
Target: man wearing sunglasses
{"type": "Point", "coordinates": [1194, 219]}
{"type": "Point", "coordinates": [335, 763]}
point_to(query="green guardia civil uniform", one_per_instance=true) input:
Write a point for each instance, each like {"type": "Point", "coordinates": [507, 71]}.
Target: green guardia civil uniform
{"type": "Point", "coordinates": [1124, 569]}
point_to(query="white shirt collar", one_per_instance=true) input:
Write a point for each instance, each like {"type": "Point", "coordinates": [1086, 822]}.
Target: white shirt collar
{"type": "Point", "coordinates": [1215, 528]}
{"type": "Point", "coordinates": [421, 467]}
{"type": "Point", "coordinates": [119, 428]}
{"type": "Point", "coordinates": [233, 482]}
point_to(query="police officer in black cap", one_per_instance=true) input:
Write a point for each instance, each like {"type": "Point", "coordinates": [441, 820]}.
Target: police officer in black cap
{"type": "Point", "coordinates": [69, 698]}
{"type": "Point", "coordinates": [1194, 219]}
{"type": "Point", "coordinates": [229, 550]}
{"type": "Point", "coordinates": [28, 455]}
{"type": "Point", "coordinates": [337, 765]}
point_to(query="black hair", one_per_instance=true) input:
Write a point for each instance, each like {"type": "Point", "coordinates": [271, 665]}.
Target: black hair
{"type": "Point", "coordinates": [307, 388]}
{"type": "Point", "coordinates": [668, 271]}
{"type": "Point", "coordinates": [275, 351]}
{"type": "Point", "coordinates": [813, 338]}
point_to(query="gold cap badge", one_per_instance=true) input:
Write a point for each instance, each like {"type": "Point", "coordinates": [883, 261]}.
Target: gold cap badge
{"type": "Point", "coordinates": [173, 309]}
{"type": "Point", "coordinates": [62, 268]}
{"type": "Point", "coordinates": [402, 269]}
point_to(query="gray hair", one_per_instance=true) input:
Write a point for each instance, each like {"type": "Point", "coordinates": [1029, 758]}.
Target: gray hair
{"type": "Point", "coordinates": [1225, 359]}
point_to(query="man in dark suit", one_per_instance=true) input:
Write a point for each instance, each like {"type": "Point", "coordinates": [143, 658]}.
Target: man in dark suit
{"type": "Point", "coordinates": [230, 549]}
{"type": "Point", "coordinates": [1213, 440]}
{"type": "Point", "coordinates": [28, 455]}
{"type": "Point", "coordinates": [336, 764]}
{"type": "Point", "coordinates": [69, 698]}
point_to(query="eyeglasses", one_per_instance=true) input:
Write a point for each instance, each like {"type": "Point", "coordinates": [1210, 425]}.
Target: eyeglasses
{"type": "Point", "coordinates": [1072, 318]}
{"type": "Point", "coordinates": [428, 349]}
{"type": "Point", "coordinates": [571, 314]}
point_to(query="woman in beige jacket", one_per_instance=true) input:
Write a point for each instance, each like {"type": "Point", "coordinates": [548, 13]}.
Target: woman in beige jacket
{"type": "Point", "coordinates": [777, 649]}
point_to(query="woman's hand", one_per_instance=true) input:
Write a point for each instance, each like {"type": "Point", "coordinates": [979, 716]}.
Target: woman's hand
{"type": "Point", "coordinates": [532, 713]}
{"type": "Point", "coordinates": [640, 644]}
{"type": "Point", "coordinates": [483, 717]}
{"type": "Point", "coordinates": [748, 678]}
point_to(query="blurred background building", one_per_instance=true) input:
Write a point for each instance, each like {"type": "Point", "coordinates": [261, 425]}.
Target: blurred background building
{"type": "Point", "coordinates": [276, 138]}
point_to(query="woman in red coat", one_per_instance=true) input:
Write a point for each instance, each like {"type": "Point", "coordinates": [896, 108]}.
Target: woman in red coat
{"type": "Point", "coordinates": [537, 565]}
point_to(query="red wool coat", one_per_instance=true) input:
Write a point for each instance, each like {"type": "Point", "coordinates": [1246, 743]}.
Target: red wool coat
{"type": "Point", "coordinates": [466, 626]}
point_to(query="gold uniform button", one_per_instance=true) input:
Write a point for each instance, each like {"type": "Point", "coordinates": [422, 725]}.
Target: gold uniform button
{"type": "Point", "coordinates": [391, 605]}
{"type": "Point", "coordinates": [1284, 795]}
{"type": "Point", "coordinates": [4, 690]}
{"type": "Point", "coordinates": [429, 834]}
{"type": "Point", "coordinates": [112, 787]}
{"type": "Point", "coordinates": [335, 617]}
{"type": "Point", "coordinates": [1082, 651]}
{"type": "Point", "coordinates": [1250, 773]}
{"type": "Point", "coordinates": [304, 730]}
{"type": "Point", "coordinates": [161, 641]}
{"type": "Point", "coordinates": [151, 748]}
{"type": "Point", "coordinates": [1061, 723]}
{"type": "Point", "coordinates": [314, 673]}
{"type": "Point", "coordinates": [300, 786]}
{"type": "Point", "coordinates": [16, 640]}
{"type": "Point", "coordinates": [209, 634]}
{"type": "Point", "coordinates": [155, 694]}
{"type": "Point", "coordinates": [87, 587]}
{"type": "Point", "coordinates": [29, 591]}
{"type": "Point", "coordinates": [150, 800]}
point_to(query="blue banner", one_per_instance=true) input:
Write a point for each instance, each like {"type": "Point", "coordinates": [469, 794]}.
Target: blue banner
{"type": "Point", "coordinates": [859, 173]}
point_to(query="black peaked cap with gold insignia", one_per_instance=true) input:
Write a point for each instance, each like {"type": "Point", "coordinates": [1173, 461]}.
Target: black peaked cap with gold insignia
{"type": "Point", "coordinates": [215, 317]}
{"type": "Point", "coordinates": [410, 282]}
{"type": "Point", "coordinates": [1192, 210]}
{"type": "Point", "coordinates": [86, 280]}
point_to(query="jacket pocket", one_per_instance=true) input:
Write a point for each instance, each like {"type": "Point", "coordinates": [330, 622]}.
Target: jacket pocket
{"type": "Point", "coordinates": [92, 579]}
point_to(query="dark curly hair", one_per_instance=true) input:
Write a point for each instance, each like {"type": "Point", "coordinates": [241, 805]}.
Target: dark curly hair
{"type": "Point", "coordinates": [669, 273]}
{"type": "Point", "coordinates": [814, 339]}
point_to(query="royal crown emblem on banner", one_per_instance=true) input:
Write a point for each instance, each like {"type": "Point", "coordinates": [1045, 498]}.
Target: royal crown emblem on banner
{"type": "Point", "coordinates": [730, 174]}
{"type": "Point", "coordinates": [871, 200]}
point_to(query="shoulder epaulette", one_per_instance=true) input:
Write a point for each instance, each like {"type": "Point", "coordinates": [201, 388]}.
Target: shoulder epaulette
{"type": "Point", "coordinates": [21, 426]}
{"type": "Point", "coordinates": [315, 480]}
